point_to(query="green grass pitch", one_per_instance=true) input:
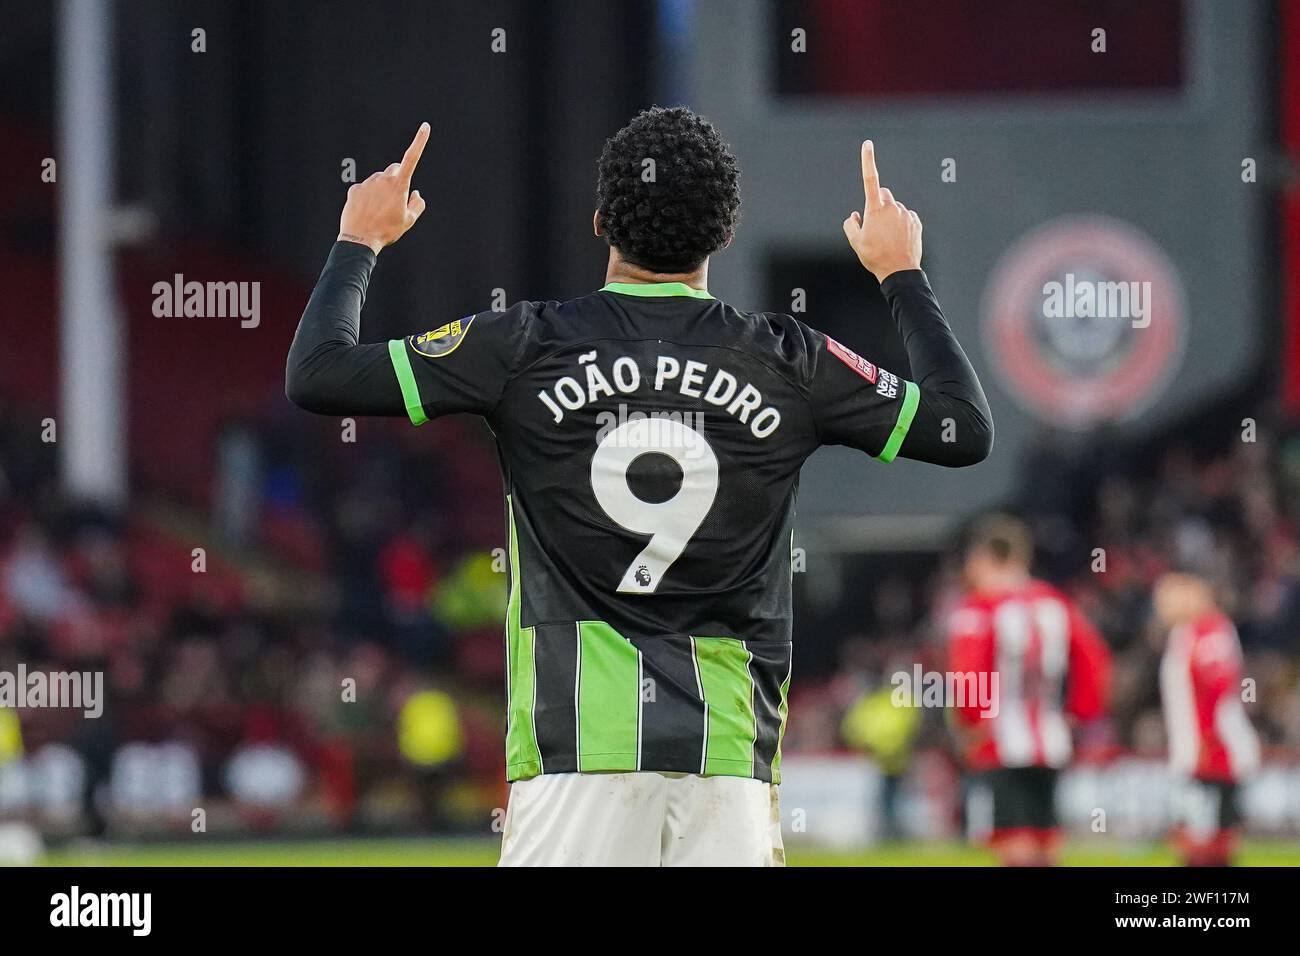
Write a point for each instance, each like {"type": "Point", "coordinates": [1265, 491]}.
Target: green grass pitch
{"type": "Point", "coordinates": [474, 852]}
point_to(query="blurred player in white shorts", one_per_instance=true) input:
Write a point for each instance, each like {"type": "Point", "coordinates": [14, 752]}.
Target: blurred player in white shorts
{"type": "Point", "coordinates": [1213, 747]}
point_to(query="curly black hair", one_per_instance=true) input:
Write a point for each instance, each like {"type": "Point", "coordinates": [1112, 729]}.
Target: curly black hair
{"type": "Point", "coordinates": [687, 210]}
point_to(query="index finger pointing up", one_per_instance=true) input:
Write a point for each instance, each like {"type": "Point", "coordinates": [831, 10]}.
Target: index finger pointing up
{"type": "Point", "coordinates": [870, 178]}
{"type": "Point", "coordinates": [413, 152]}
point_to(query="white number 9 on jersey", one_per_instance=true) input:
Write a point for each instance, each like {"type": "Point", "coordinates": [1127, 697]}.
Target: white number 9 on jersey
{"type": "Point", "coordinates": [669, 523]}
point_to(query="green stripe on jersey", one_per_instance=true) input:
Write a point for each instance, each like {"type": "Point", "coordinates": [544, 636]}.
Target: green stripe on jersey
{"type": "Point", "coordinates": [609, 699]}
{"type": "Point", "coordinates": [911, 398]}
{"type": "Point", "coordinates": [523, 758]}
{"type": "Point", "coordinates": [406, 381]}
{"type": "Point", "coordinates": [723, 664]}
{"type": "Point", "coordinates": [783, 709]}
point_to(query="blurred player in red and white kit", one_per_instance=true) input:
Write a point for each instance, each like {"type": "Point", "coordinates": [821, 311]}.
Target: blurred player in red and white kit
{"type": "Point", "coordinates": [1045, 664]}
{"type": "Point", "coordinates": [1212, 745]}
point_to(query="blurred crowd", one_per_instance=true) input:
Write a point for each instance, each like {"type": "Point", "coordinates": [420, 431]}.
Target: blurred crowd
{"type": "Point", "coordinates": [315, 645]}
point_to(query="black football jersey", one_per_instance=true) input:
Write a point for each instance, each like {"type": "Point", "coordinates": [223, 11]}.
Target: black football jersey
{"type": "Point", "coordinates": [650, 438]}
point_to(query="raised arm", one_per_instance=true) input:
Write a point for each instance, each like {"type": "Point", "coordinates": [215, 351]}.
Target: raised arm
{"type": "Point", "coordinates": [952, 425]}
{"type": "Point", "coordinates": [941, 417]}
{"type": "Point", "coordinates": [327, 372]}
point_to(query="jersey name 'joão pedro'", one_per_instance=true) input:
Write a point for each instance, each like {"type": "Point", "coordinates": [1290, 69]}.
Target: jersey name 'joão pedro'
{"type": "Point", "coordinates": [713, 386]}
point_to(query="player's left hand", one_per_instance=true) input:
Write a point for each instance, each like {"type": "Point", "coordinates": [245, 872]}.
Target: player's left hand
{"type": "Point", "coordinates": [379, 210]}
{"type": "Point", "coordinates": [886, 235]}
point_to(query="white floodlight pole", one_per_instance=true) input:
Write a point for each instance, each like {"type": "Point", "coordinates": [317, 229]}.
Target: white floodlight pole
{"type": "Point", "coordinates": [91, 426]}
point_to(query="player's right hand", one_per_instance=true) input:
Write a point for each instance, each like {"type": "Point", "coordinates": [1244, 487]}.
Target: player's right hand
{"type": "Point", "coordinates": [379, 210]}
{"type": "Point", "coordinates": [886, 235]}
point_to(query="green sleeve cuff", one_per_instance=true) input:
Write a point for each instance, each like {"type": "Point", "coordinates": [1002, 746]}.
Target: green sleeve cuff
{"type": "Point", "coordinates": [911, 398]}
{"type": "Point", "coordinates": [406, 380]}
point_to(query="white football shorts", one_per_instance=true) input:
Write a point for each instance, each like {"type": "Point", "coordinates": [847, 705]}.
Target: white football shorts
{"type": "Point", "coordinates": [642, 819]}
